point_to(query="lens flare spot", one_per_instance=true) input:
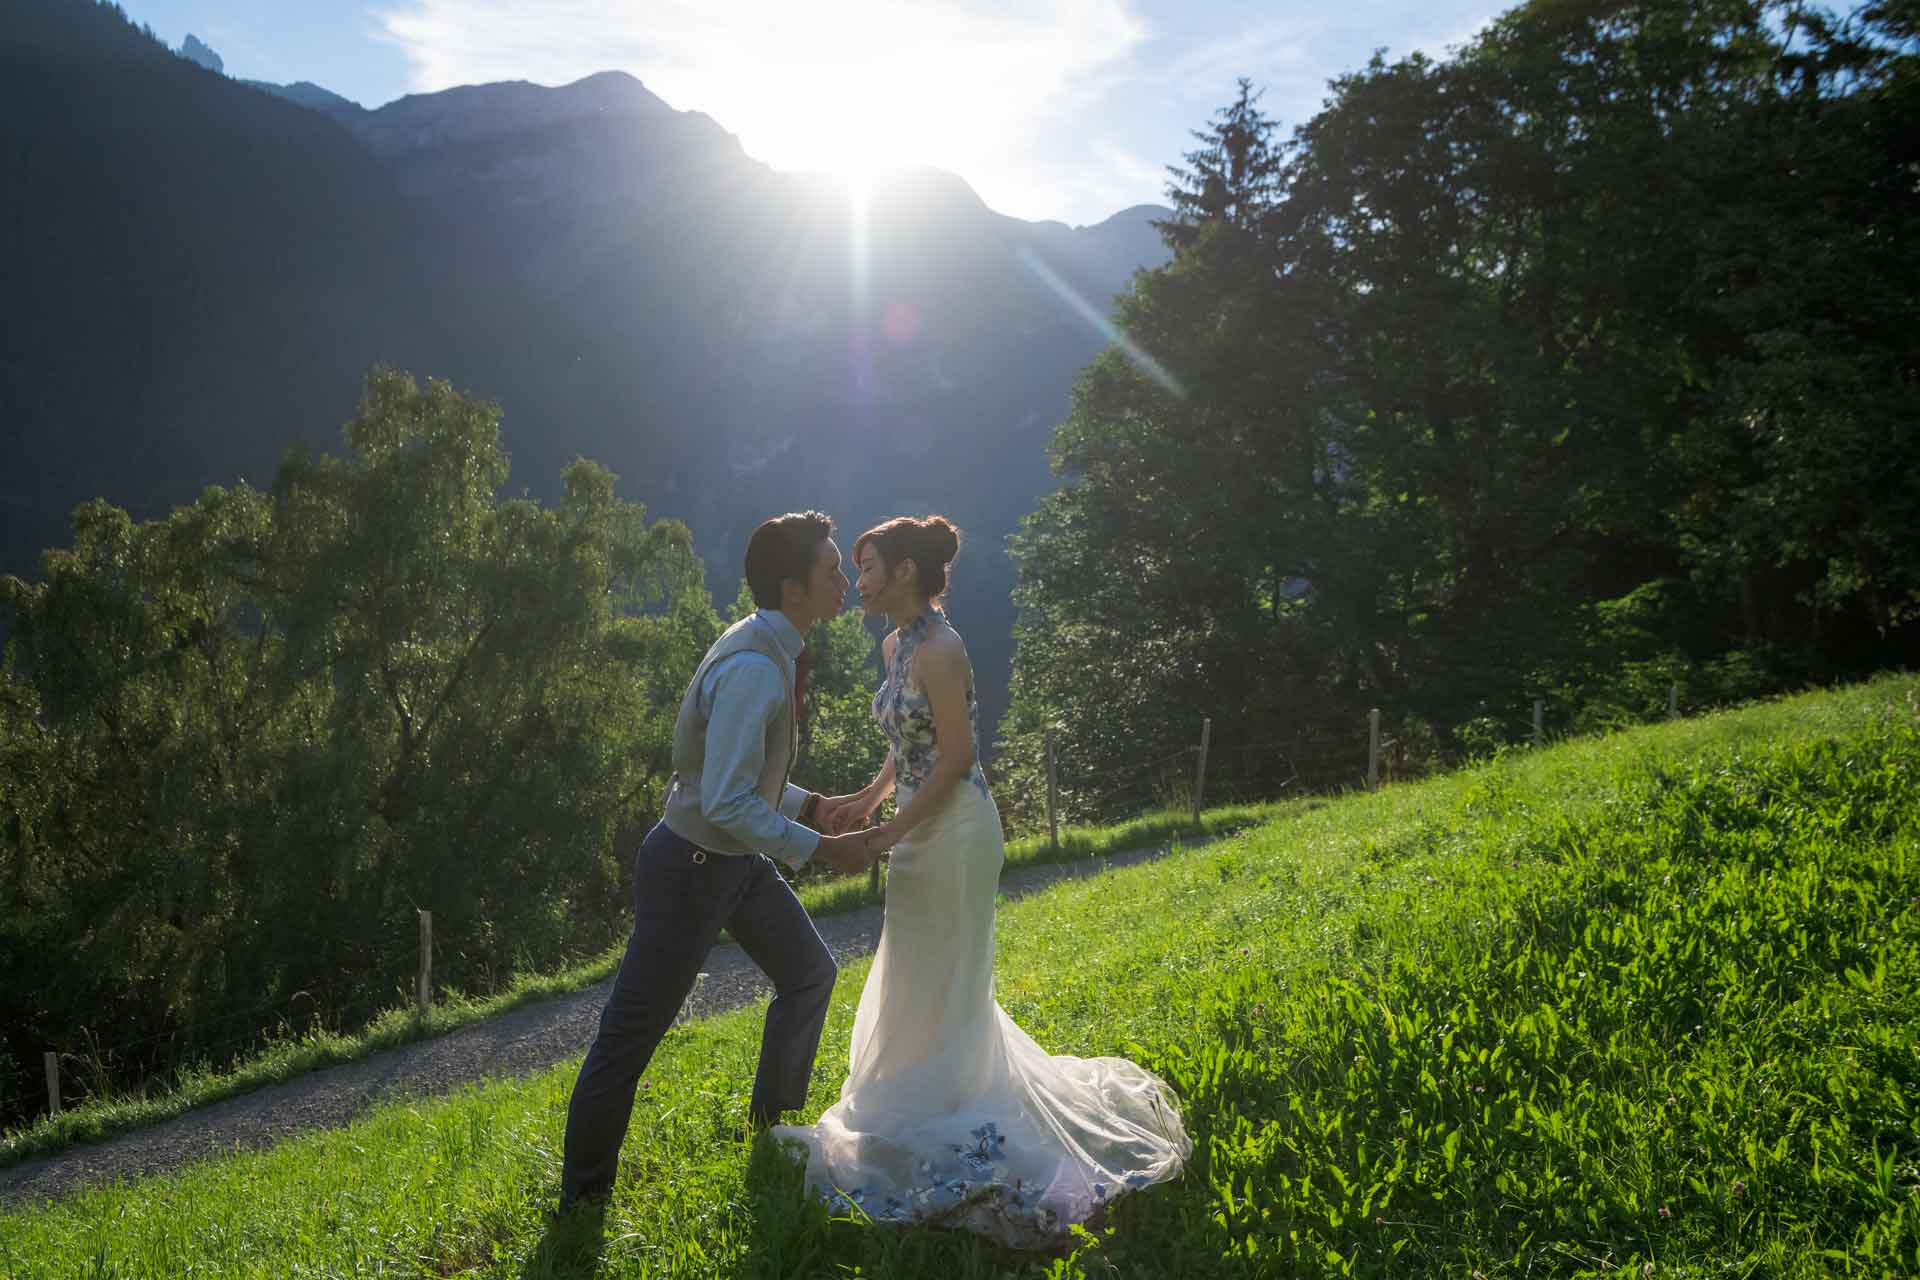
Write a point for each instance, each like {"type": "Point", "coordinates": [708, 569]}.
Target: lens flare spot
{"type": "Point", "coordinates": [901, 324]}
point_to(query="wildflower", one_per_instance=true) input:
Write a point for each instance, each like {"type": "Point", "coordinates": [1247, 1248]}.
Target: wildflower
{"type": "Point", "coordinates": [1739, 1186]}
{"type": "Point", "coordinates": [1665, 1213]}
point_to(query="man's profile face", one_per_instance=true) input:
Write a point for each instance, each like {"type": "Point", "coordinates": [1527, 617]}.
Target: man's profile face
{"type": "Point", "coordinates": [826, 586]}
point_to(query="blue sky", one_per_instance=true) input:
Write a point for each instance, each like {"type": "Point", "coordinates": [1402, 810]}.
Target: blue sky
{"type": "Point", "coordinates": [1066, 109]}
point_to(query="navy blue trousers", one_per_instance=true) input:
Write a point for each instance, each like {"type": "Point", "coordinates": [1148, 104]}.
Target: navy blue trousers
{"type": "Point", "coordinates": [682, 898]}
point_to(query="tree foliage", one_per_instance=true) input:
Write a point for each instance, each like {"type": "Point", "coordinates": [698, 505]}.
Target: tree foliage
{"type": "Point", "coordinates": [245, 743]}
{"type": "Point", "coordinates": [1574, 365]}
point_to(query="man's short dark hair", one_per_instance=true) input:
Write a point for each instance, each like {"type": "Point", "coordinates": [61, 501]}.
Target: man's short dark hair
{"type": "Point", "coordinates": [783, 548]}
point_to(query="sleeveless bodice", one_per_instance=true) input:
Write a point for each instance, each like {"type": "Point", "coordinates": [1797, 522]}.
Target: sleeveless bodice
{"type": "Point", "coordinates": [906, 715]}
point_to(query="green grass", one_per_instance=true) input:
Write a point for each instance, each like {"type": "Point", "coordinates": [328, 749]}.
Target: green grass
{"type": "Point", "coordinates": [1647, 1001]}
{"type": "Point", "coordinates": [100, 1118]}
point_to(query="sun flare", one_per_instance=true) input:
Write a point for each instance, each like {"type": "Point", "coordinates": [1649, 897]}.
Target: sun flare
{"type": "Point", "coordinates": [853, 87]}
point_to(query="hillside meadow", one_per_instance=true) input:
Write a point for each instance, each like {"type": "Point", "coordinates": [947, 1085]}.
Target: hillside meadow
{"type": "Point", "coordinates": [1642, 1004]}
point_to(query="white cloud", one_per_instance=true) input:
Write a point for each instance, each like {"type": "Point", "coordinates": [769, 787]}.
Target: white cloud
{"type": "Point", "coordinates": [1293, 58]}
{"type": "Point", "coordinates": [1268, 51]}
{"type": "Point", "coordinates": [953, 83]}
{"type": "Point", "coordinates": [1047, 107]}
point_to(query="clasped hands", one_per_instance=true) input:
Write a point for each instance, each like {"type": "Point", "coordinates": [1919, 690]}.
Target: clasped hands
{"type": "Point", "coordinates": [846, 844]}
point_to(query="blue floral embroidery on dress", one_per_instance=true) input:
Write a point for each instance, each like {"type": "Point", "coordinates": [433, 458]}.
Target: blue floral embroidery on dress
{"type": "Point", "coordinates": [906, 715]}
{"type": "Point", "coordinates": [988, 1146]}
{"type": "Point", "coordinates": [848, 1201]}
{"type": "Point", "coordinates": [969, 1190]}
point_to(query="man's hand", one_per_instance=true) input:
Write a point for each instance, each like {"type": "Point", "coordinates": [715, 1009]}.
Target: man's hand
{"type": "Point", "coordinates": [828, 814]}
{"type": "Point", "coordinates": [847, 853]}
{"type": "Point", "coordinates": [837, 814]}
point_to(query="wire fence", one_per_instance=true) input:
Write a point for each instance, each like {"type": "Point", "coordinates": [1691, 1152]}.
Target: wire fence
{"type": "Point", "coordinates": [92, 1064]}
{"type": "Point", "coordinates": [1209, 769]}
{"type": "Point", "coordinates": [95, 1064]}
{"type": "Point", "coordinates": [1206, 771]}
{"type": "Point", "coordinates": [1213, 768]}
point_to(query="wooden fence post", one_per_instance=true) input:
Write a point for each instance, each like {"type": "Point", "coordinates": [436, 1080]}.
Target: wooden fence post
{"type": "Point", "coordinates": [423, 995]}
{"type": "Point", "coordinates": [1200, 772]}
{"type": "Point", "coordinates": [1373, 749]}
{"type": "Point", "coordinates": [1673, 701]}
{"type": "Point", "coordinates": [1053, 796]}
{"type": "Point", "coordinates": [53, 1083]}
{"type": "Point", "coordinates": [1539, 722]}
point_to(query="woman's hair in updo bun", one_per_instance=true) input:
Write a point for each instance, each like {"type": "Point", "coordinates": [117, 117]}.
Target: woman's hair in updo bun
{"type": "Point", "coordinates": [931, 542]}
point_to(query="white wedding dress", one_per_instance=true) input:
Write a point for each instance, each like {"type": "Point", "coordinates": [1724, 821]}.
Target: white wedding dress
{"type": "Point", "coordinates": [950, 1113]}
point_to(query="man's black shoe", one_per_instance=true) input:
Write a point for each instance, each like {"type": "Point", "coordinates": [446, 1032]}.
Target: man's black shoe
{"type": "Point", "coordinates": [757, 1124]}
{"type": "Point", "coordinates": [585, 1202]}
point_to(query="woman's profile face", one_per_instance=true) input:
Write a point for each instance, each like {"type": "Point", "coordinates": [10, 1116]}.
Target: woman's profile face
{"type": "Point", "coordinates": [878, 588]}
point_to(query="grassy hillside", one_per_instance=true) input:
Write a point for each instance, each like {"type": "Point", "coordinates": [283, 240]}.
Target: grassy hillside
{"type": "Point", "coordinates": [102, 1117]}
{"type": "Point", "coordinates": [1645, 1003]}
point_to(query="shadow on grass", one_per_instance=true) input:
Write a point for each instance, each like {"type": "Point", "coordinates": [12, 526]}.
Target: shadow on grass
{"type": "Point", "coordinates": [571, 1245]}
{"type": "Point", "coordinates": [793, 1234]}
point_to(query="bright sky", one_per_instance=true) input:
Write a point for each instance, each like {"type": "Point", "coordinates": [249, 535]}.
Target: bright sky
{"type": "Point", "coordinates": [1067, 109]}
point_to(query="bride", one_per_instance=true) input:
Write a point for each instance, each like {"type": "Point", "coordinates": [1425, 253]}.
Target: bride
{"type": "Point", "coordinates": [950, 1113]}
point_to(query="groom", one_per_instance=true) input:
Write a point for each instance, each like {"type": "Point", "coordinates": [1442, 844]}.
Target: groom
{"type": "Point", "coordinates": [705, 864]}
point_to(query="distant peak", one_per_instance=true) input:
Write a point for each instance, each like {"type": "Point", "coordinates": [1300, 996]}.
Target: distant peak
{"type": "Point", "coordinates": [608, 78]}
{"type": "Point", "coordinates": [312, 96]}
{"type": "Point", "coordinates": [193, 49]}
{"type": "Point", "coordinates": [467, 113]}
{"type": "Point", "coordinates": [926, 182]}
{"type": "Point", "coordinates": [1137, 213]}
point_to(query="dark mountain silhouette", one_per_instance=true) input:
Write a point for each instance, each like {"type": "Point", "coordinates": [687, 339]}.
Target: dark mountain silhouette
{"type": "Point", "coordinates": [308, 94]}
{"type": "Point", "coordinates": [202, 272]}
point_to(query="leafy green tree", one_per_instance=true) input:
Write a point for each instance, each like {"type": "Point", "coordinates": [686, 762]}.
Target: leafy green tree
{"type": "Point", "coordinates": [842, 747]}
{"type": "Point", "coordinates": [1573, 365]}
{"type": "Point", "coordinates": [256, 735]}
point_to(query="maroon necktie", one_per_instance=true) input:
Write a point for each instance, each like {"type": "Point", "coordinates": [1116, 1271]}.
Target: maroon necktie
{"type": "Point", "coordinates": [801, 665]}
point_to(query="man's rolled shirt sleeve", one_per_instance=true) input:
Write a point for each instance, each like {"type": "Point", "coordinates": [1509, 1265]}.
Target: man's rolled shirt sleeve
{"type": "Point", "coordinates": [741, 697]}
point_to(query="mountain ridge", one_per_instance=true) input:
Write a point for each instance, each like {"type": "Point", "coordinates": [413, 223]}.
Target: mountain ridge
{"type": "Point", "coordinates": [617, 274]}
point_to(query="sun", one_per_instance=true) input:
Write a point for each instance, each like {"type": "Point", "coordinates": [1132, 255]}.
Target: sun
{"type": "Point", "coordinates": [859, 89]}
{"type": "Point", "coordinates": [845, 134]}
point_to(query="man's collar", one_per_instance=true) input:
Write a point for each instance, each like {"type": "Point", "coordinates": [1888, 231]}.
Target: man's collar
{"type": "Point", "coordinates": [791, 641]}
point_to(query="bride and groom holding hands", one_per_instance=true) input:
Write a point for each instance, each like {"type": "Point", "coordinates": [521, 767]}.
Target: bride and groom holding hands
{"type": "Point", "coordinates": [950, 1113]}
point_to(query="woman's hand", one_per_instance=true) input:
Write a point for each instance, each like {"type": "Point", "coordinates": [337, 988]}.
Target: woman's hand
{"type": "Point", "coordinates": [835, 815]}
{"type": "Point", "coordinates": [838, 815]}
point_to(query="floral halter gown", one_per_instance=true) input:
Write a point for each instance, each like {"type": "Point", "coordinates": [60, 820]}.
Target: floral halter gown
{"type": "Point", "coordinates": [950, 1113]}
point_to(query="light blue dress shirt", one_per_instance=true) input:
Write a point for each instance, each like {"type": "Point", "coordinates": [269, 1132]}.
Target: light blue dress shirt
{"type": "Point", "coordinates": [739, 696]}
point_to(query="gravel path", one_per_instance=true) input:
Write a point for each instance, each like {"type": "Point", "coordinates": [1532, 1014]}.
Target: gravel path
{"type": "Point", "coordinates": [512, 1044]}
